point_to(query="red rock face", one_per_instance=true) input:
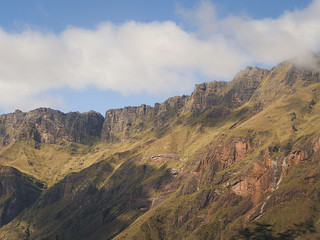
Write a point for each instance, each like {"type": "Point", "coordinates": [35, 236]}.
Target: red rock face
{"type": "Point", "coordinates": [305, 151]}
{"type": "Point", "coordinates": [259, 180]}
{"type": "Point", "coordinates": [229, 153]}
{"type": "Point", "coordinates": [262, 175]}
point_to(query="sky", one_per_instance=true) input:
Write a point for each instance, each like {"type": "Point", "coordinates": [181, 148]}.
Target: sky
{"type": "Point", "coordinates": [80, 55]}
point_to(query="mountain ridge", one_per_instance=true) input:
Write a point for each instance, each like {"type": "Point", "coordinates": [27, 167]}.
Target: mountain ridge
{"type": "Point", "coordinates": [204, 96]}
{"type": "Point", "coordinates": [204, 166]}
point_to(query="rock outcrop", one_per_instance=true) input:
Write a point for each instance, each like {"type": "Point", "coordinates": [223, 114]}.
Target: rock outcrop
{"type": "Point", "coordinates": [206, 95]}
{"type": "Point", "coordinates": [45, 125]}
{"type": "Point", "coordinates": [120, 124]}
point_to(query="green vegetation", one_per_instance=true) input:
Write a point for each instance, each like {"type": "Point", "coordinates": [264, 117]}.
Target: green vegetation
{"type": "Point", "coordinates": [265, 231]}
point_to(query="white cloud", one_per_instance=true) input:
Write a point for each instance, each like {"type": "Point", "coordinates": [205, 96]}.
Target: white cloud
{"type": "Point", "coordinates": [158, 58]}
{"type": "Point", "coordinates": [266, 41]}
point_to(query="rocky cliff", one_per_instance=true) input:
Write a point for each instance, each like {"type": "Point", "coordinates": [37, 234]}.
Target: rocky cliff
{"type": "Point", "coordinates": [121, 124]}
{"type": "Point", "coordinates": [49, 126]}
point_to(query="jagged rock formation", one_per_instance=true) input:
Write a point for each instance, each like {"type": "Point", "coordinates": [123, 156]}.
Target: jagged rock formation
{"type": "Point", "coordinates": [49, 126]}
{"type": "Point", "coordinates": [119, 124]}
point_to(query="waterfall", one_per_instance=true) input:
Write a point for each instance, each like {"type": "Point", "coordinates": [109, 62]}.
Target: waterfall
{"type": "Point", "coordinates": [262, 206]}
{"type": "Point", "coordinates": [275, 173]}
{"type": "Point", "coordinates": [276, 182]}
{"type": "Point", "coordinates": [283, 170]}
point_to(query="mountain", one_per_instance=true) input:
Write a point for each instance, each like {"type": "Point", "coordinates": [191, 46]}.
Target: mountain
{"type": "Point", "coordinates": [232, 160]}
{"type": "Point", "coordinates": [49, 126]}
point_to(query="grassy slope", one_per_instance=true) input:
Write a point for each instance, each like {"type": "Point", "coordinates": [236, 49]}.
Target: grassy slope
{"type": "Point", "coordinates": [52, 162]}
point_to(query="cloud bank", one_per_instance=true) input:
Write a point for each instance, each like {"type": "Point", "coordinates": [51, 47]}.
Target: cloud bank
{"type": "Point", "coordinates": [159, 58]}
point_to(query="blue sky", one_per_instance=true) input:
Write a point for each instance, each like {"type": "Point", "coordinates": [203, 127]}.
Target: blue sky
{"type": "Point", "coordinates": [57, 15]}
{"type": "Point", "coordinates": [80, 55]}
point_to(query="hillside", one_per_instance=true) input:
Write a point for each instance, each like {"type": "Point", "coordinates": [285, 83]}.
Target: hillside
{"type": "Point", "coordinates": [225, 159]}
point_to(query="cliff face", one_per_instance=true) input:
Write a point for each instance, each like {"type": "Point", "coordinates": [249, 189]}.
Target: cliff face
{"type": "Point", "coordinates": [244, 85]}
{"type": "Point", "coordinates": [121, 124]}
{"type": "Point", "coordinates": [206, 95]}
{"type": "Point", "coordinates": [45, 125]}
{"type": "Point", "coordinates": [231, 94]}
